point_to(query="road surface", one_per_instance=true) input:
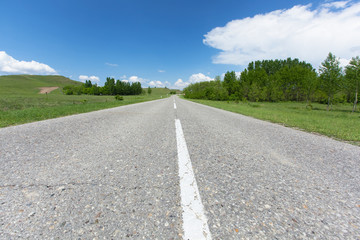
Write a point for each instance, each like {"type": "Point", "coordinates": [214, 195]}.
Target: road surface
{"type": "Point", "coordinates": [173, 169]}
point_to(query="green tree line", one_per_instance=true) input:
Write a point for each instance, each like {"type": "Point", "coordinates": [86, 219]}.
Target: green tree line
{"type": "Point", "coordinates": [284, 80]}
{"type": "Point", "coordinates": [111, 87]}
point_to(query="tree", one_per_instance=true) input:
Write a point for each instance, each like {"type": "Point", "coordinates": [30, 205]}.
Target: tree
{"type": "Point", "coordinates": [310, 84]}
{"type": "Point", "coordinates": [109, 87]}
{"type": "Point", "coordinates": [230, 82]}
{"type": "Point", "coordinates": [136, 88]}
{"type": "Point", "coordinates": [95, 90]}
{"type": "Point", "coordinates": [352, 76]}
{"type": "Point", "coordinates": [149, 90]}
{"type": "Point", "coordinates": [88, 84]}
{"type": "Point", "coordinates": [120, 87]}
{"type": "Point", "coordinates": [330, 74]}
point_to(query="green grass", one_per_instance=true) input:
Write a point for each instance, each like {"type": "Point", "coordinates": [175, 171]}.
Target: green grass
{"type": "Point", "coordinates": [20, 101]}
{"type": "Point", "coordinates": [29, 84]}
{"type": "Point", "coordinates": [340, 123]}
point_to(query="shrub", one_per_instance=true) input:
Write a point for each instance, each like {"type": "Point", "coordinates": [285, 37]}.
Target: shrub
{"type": "Point", "coordinates": [119, 98]}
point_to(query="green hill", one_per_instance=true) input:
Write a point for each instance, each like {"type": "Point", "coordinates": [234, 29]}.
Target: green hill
{"type": "Point", "coordinates": [20, 101]}
{"type": "Point", "coordinates": [159, 91]}
{"type": "Point", "coordinates": [30, 84]}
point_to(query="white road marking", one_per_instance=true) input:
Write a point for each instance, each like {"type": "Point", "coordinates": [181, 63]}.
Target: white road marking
{"type": "Point", "coordinates": [194, 220]}
{"type": "Point", "coordinates": [174, 105]}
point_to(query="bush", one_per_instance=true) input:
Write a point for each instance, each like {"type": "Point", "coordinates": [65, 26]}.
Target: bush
{"type": "Point", "coordinates": [69, 92]}
{"type": "Point", "coordinates": [119, 98]}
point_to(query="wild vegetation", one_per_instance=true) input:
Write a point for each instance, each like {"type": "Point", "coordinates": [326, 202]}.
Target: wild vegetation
{"type": "Point", "coordinates": [20, 101]}
{"type": "Point", "coordinates": [292, 93]}
{"type": "Point", "coordinates": [338, 123]}
{"type": "Point", "coordinates": [111, 87]}
{"type": "Point", "coordinates": [285, 80]}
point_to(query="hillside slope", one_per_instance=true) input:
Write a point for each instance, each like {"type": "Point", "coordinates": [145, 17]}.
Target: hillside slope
{"type": "Point", "coordinates": [30, 84]}
{"type": "Point", "coordinates": [20, 101]}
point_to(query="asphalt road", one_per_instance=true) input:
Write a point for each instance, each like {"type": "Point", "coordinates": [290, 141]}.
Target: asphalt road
{"type": "Point", "coordinates": [114, 174]}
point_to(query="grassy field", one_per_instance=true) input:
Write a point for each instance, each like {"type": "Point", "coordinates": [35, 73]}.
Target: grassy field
{"type": "Point", "coordinates": [340, 123]}
{"type": "Point", "coordinates": [20, 101]}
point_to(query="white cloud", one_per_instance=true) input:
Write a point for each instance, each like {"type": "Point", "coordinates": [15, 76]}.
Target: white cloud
{"type": "Point", "coordinates": [344, 62]}
{"type": "Point", "coordinates": [112, 64]}
{"type": "Point", "coordinates": [339, 4]}
{"type": "Point", "coordinates": [299, 32]}
{"type": "Point", "coordinates": [93, 79]}
{"type": "Point", "coordinates": [10, 65]}
{"type": "Point", "coordinates": [161, 71]}
{"type": "Point", "coordinates": [156, 84]}
{"type": "Point", "coordinates": [137, 79]}
{"type": "Point", "coordinates": [194, 78]}
{"type": "Point", "coordinates": [181, 84]}
{"type": "Point", "coordinates": [199, 77]}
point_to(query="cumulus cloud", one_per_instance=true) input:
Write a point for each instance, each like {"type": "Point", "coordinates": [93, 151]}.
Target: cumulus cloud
{"type": "Point", "coordinates": [199, 77]}
{"type": "Point", "coordinates": [181, 84]}
{"type": "Point", "coordinates": [10, 65]}
{"type": "Point", "coordinates": [93, 79]}
{"type": "Point", "coordinates": [299, 32]}
{"type": "Point", "coordinates": [156, 84]}
{"type": "Point", "coordinates": [137, 79]}
{"type": "Point", "coordinates": [194, 78]}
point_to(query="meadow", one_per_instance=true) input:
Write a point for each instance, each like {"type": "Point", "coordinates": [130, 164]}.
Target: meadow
{"type": "Point", "coordinates": [20, 101]}
{"type": "Point", "coordinates": [340, 123]}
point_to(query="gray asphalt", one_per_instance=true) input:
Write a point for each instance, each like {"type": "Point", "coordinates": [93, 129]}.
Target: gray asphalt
{"type": "Point", "coordinates": [113, 174]}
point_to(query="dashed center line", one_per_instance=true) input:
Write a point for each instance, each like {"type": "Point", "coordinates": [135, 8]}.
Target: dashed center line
{"type": "Point", "coordinates": [174, 105]}
{"type": "Point", "coordinates": [194, 220]}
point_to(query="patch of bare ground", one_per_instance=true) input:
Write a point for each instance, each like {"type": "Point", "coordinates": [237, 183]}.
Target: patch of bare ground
{"type": "Point", "coordinates": [44, 90]}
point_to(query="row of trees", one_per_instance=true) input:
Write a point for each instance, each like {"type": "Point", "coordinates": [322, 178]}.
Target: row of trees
{"type": "Point", "coordinates": [285, 80]}
{"type": "Point", "coordinates": [111, 87]}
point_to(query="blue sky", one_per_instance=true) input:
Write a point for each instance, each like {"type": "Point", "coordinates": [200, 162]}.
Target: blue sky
{"type": "Point", "coordinates": [159, 42]}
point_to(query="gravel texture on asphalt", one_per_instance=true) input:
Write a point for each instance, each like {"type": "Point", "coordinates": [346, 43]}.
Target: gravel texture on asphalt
{"type": "Point", "coordinates": [259, 180]}
{"type": "Point", "coordinates": [113, 174]}
{"type": "Point", "coordinates": [107, 174]}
